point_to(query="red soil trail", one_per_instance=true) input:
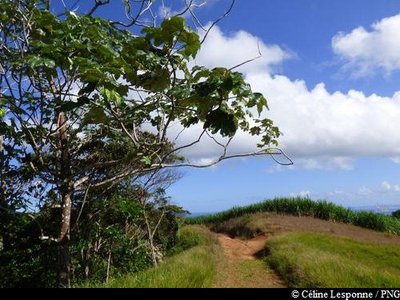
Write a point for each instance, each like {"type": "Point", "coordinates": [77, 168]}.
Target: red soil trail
{"type": "Point", "coordinates": [242, 268]}
{"type": "Point", "coordinates": [242, 274]}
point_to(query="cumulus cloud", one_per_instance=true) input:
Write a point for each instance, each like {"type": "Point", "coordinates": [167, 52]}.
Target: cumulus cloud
{"type": "Point", "coordinates": [321, 129]}
{"type": "Point", "coordinates": [367, 51]}
{"type": "Point", "coordinates": [396, 159]}
{"type": "Point", "coordinates": [386, 186]}
{"type": "Point", "coordinates": [231, 50]}
{"type": "Point", "coordinates": [319, 162]}
{"type": "Point", "coordinates": [364, 191]}
{"type": "Point", "coordinates": [338, 125]}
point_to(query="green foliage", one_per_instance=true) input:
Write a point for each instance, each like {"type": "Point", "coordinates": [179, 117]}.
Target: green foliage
{"type": "Point", "coordinates": [174, 30]}
{"type": "Point", "coordinates": [25, 260]}
{"type": "Point", "coordinates": [114, 228]}
{"type": "Point", "coordinates": [106, 85]}
{"type": "Point", "coordinates": [194, 268]}
{"type": "Point", "coordinates": [396, 214]}
{"type": "Point", "coordinates": [96, 54]}
{"type": "Point", "coordinates": [308, 260]}
{"type": "Point", "coordinates": [306, 207]}
{"type": "Point", "coordinates": [189, 237]}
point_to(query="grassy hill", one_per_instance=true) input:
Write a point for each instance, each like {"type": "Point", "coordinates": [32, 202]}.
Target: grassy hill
{"type": "Point", "coordinates": [306, 207]}
{"type": "Point", "coordinates": [320, 260]}
{"type": "Point", "coordinates": [277, 243]}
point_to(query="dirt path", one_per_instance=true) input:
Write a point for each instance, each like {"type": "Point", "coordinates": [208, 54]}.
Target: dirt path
{"type": "Point", "coordinates": [242, 268]}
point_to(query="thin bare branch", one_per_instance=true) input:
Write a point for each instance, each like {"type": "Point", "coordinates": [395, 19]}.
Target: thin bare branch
{"type": "Point", "coordinates": [218, 20]}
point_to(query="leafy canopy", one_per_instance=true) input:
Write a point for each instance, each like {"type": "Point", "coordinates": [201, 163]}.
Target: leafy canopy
{"type": "Point", "coordinates": [109, 64]}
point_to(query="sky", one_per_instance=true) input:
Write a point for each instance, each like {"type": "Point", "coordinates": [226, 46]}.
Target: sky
{"type": "Point", "coordinates": [330, 71]}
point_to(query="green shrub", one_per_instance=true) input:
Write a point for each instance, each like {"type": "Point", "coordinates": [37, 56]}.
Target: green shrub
{"type": "Point", "coordinates": [188, 237]}
{"type": "Point", "coordinates": [396, 214]}
{"type": "Point", "coordinates": [193, 268]}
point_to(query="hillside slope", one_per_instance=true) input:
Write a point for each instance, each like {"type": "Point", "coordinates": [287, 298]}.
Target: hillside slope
{"type": "Point", "coordinates": [307, 252]}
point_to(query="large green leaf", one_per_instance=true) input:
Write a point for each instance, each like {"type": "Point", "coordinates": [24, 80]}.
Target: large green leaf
{"type": "Point", "coordinates": [220, 120]}
{"type": "Point", "coordinates": [37, 61]}
{"type": "Point", "coordinates": [95, 115]}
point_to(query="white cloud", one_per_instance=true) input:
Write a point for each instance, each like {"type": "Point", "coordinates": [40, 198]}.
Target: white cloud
{"type": "Point", "coordinates": [396, 159]}
{"type": "Point", "coordinates": [367, 51]}
{"type": "Point", "coordinates": [386, 186]}
{"type": "Point", "coordinates": [335, 193]}
{"type": "Point", "coordinates": [364, 191]}
{"type": "Point", "coordinates": [338, 126]}
{"type": "Point", "coordinates": [321, 130]}
{"type": "Point", "coordinates": [319, 162]}
{"type": "Point", "coordinates": [228, 51]}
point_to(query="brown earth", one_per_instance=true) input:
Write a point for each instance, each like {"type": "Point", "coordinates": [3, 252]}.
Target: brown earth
{"type": "Point", "coordinates": [242, 268]}
{"type": "Point", "coordinates": [279, 224]}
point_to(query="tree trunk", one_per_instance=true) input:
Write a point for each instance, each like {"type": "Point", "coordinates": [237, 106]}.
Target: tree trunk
{"type": "Point", "coordinates": [66, 194]}
{"type": "Point", "coordinates": [108, 266]}
{"type": "Point", "coordinates": [4, 213]}
{"type": "Point", "coordinates": [150, 237]}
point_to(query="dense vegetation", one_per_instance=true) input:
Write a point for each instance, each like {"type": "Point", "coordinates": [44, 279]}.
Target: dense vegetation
{"type": "Point", "coordinates": [193, 268]}
{"type": "Point", "coordinates": [316, 260]}
{"type": "Point", "coordinates": [306, 207]}
{"type": "Point", "coordinates": [110, 238]}
{"type": "Point", "coordinates": [90, 110]}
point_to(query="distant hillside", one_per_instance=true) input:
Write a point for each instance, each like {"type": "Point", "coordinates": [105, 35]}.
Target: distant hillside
{"type": "Point", "coordinates": [306, 207]}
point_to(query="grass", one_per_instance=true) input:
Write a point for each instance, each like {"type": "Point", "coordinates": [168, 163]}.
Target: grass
{"type": "Point", "coordinates": [254, 273]}
{"type": "Point", "coordinates": [194, 268]}
{"type": "Point", "coordinates": [306, 207]}
{"type": "Point", "coordinates": [246, 227]}
{"type": "Point", "coordinates": [317, 260]}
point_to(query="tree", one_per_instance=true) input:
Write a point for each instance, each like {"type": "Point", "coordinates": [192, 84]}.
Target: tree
{"type": "Point", "coordinates": [87, 102]}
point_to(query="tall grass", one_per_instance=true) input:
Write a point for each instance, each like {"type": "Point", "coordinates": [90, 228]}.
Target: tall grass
{"type": "Point", "coordinates": [318, 260]}
{"type": "Point", "coordinates": [306, 207]}
{"type": "Point", "coordinates": [194, 268]}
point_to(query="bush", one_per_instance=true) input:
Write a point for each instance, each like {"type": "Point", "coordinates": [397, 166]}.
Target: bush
{"type": "Point", "coordinates": [396, 214]}
{"type": "Point", "coordinates": [188, 237]}
{"type": "Point", "coordinates": [25, 260]}
{"type": "Point", "coordinates": [194, 268]}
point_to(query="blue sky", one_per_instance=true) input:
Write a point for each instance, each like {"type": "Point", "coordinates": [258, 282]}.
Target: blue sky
{"type": "Point", "coordinates": [353, 166]}
{"type": "Point", "coordinates": [331, 73]}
